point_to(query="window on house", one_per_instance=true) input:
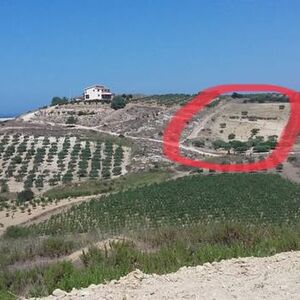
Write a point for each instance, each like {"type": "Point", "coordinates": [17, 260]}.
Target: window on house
{"type": "Point", "coordinates": [87, 96]}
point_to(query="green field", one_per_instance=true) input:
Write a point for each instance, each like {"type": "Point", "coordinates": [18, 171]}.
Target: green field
{"type": "Point", "coordinates": [166, 99]}
{"type": "Point", "coordinates": [246, 198]}
{"type": "Point", "coordinates": [94, 187]}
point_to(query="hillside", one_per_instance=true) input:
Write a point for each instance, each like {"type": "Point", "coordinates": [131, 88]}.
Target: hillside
{"type": "Point", "coordinates": [275, 277]}
{"type": "Point", "coordinates": [82, 141]}
{"type": "Point", "coordinates": [157, 228]}
{"type": "Point", "coordinates": [190, 200]}
{"type": "Point", "coordinates": [87, 194]}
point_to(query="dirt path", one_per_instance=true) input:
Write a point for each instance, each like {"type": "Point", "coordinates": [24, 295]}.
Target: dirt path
{"type": "Point", "coordinates": [291, 172]}
{"type": "Point", "coordinates": [276, 277]}
{"type": "Point", "coordinates": [136, 138]}
{"type": "Point", "coordinates": [197, 129]}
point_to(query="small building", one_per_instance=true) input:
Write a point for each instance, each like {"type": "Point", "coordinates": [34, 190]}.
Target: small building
{"type": "Point", "coordinates": [97, 92]}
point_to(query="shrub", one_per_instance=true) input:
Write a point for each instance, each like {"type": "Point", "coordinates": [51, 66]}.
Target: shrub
{"type": "Point", "coordinates": [273, 137]}
{"type": "Point", "coordinates": [199, 143]}
{"type": "Point", "coordinates": [25, 196]}
{"type": "Point", "coordinates": [4, 187]}
{"type": "Point", "coordinates": [254, 131]}
{"type": "Point", "coordinates": [243, 148]}
{"type": "Point", "coordinates": [236, 95]}
{"type": "Point", "coordinates": [71, 120]}
{"type": "Point", "coordinates": [279, 167]}
{"type": "Point", "coordinates": [118, 102]}
{"type": "Point", "coordinates": [221, 144]}
{"type": "Point", "coordinates": [261, 148]}
{"type": "Point", "coordinates": [16, 232]}
{"type": "Point", "coordinates": [93, 256]}
{"type": "Point", "coordinates": [39, 182]}
{"type": "Point", "coordinates": [59, 101]}
{"type": "Point", "coordinates": [56, 247]}
{"type": "Point", "coordinates": [239, 146]}
{"type": "Point", "coordinates": [3, 199]}
{"type": "Point", "coordinates": [231, 136]}
{"type": "Point", "coordinates": [21, 148]}
{"type": "Point", "coordinates": [68, 177]}
{"type": "Point", "coordinates": [106, 172]}
{"type": "Point", "coordinates": [252, 118]}
{"type": "Point", "coordinates": [57, 272]}
{"type": "Point", "coordinates": [292, 159]}
{"type": "Point", "coordinates": [117, 171]}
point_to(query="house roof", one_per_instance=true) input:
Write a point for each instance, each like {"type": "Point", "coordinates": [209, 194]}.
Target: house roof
{"type": "Point", "coordinates": [95, 86]}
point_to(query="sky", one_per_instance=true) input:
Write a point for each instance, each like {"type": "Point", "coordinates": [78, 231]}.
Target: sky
{"type": "Point", "coordinates": [58, 47]}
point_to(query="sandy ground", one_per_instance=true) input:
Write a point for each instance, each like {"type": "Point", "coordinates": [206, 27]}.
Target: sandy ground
{"type": "Point", "coordinates": [115, 119]}
{"type": "Point", "coordinates": [276, 277]}
{"type": "Point", "coordinates": [27, 117]}
{"type": "Point", "coordinates": [230, 114]}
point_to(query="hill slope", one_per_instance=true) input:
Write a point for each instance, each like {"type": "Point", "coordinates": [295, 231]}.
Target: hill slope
{"type": "Point", "coordinates": [275, 277]}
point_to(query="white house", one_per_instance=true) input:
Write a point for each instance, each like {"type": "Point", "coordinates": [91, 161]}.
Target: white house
{"type": "Point", "coordinates": [97, 92]}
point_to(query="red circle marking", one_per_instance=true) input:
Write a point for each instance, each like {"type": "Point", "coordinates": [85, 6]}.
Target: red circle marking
{"type": "Point", "coordinates": [178, 122]}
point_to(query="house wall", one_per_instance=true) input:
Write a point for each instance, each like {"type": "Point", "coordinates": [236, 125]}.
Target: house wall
{"type": "Point", "coordinates": [94, 93]}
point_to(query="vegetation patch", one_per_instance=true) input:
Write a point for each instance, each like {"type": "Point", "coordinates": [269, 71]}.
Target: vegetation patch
{"type": "Point", "coordinates": [166, 99]}
{"type": "Point", "coordinates": [254, 143]}
{"type": "Point", "coordinates": [165, 250]}
{"type": "Point", "coordinates": [94, 187]}
{"type": "Point", "coordinates": [249, 198]}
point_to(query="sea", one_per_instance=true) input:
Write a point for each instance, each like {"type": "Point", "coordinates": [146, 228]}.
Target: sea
{"type": "Point", "coordinates": [2, 119]}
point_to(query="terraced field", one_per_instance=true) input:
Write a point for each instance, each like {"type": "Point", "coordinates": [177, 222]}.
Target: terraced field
{"type": "Point", "coordinates": [193, 200]}
{"type": "Point", "coordinates": [167, 99]}
{"type": "Point", "coordinates": [39, 163]}
{"type": "Point", "coordinates": [238, 121]}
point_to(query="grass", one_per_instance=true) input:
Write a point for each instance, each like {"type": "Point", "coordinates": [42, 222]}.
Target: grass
{"type": "Point", "coordinates": [94, 187]}
{"type": "Point", "coordinates": [5, 295]}
{"type": "Point", "coordinates": [198, 199]}
{"type": "Point", "coordinates": [18, 251]}
{"type": "Point", "coordinates": [165, 250]}
{"type": "Point", "coordinates": [105, 137]}
{"type": "Point", "coordinates": [165, 99]}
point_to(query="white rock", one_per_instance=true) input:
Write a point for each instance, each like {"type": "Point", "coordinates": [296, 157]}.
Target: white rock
{"type": "Point", "coordinates": [74, 291]}
{"type": "Point", "coordinates": [59, 293]}
{"type": "Point", "coordinates": [92, 286]}
{"type": "Point", "coordinates": [84, 293]}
